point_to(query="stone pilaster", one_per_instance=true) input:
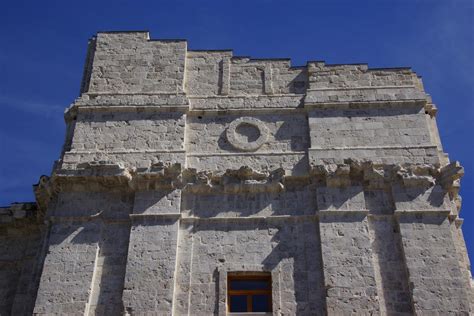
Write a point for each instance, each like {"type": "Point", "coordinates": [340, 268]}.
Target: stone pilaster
{"type": "Point", "coordinates": [149, 277]}
{"type": "Point", "coordinates": [389, 264]}
{"type": "Point", "coordinates": [349, 273]}
{"type": "Point", "coordinates": [438, 285]}
{"type": "Point", "coordinates": [68, 268]}
{"type": "Point", "coordinates": [83, 251]}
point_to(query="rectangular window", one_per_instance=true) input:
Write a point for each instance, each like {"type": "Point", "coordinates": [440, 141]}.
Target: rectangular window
{"type": "Point", "coordinates": [249, 292]}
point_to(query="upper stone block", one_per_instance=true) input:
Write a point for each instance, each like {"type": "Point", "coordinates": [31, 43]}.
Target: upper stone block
{"type": "Point", "coordinates": [307, 116]}
{"type": "Point", "coordinates": [358, 83]}
{"type": "Point", "coordinates": [129, 62]}
{"type": "Point", "coordinates": [132, 63]}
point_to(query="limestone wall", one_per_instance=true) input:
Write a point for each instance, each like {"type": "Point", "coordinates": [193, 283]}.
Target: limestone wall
{"type": "Point", "coordinates": [393, 287]}
{"type": "Point", "coordinates": [130, 138]}
{"type": "Point", "coordinates": [286, 139]}
{"type": "Point", "coordinates": [220, 73]}
{"type": "Point", "coordinates": [205, 72]}
{"type": "Point", "coordinates": [130, 63]}
{"type": "Point", "coordinates": [183, 166]}
{"type": "Point", "coordinates": [251, 204]}
{"type": "Point", "coordinates": [21, 243]}
{"type": "Point", "coordinates": [129, 131]}
{"type": "Point", "coordinates": [88, 243]}
{"type": "Point", "coordinates": [359, 75]}
{"type": "Point", "coordinates": [349, 274]}
{"type": "Point", "coordinates": [366, 128]}
{"type": "Point", "coordinates": [288, 249]}
{"type": "Point", "coordinates": [382, 135]}
{"type": "Point", "coordinates": [350, 111]}
{"type": "Point", "coordinates": [437, 280]}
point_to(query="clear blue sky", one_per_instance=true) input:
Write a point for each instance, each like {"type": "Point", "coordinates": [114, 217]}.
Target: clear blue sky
{"type": "Point", "coordinates": [43, 45]}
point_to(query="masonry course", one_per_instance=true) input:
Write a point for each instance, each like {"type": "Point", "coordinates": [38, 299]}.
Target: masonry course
{"type": "Point", "coordinates": [181, 167]}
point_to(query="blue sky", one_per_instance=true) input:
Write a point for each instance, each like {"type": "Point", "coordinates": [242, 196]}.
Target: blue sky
{"type": "Point", "coordinates": [43, 46]}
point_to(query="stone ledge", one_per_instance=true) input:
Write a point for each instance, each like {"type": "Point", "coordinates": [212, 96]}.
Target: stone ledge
{"type": "Point", "coordinates": [418, 178]}
{"type": "Point", "coordinates": [343, 212]}
{"type": "Point", "coordinates": [367, 104]}
{"type": "Point", "coordinates": [433, 212]}
{"type": "Point", "coordinates": [247, 112]}
{"type": "Point", "coordinates": [371, 147]}
{"type": "Point", "coordinates": [255, 153]}
{"type": "Point", "coordinates": [247, 102]}
{"type": "Point", "coordinates": [388, 155]}
{"type": "Point", "coordinates": [122, 152]}
{"type": "Point", "coordinates": [252, 218]}
{"type": "Point", "coordinates": [19, 213]}
{"type": "Point", "coordinates": [155, 215]}
{"type": "Point", "coordinates": [132, 100]}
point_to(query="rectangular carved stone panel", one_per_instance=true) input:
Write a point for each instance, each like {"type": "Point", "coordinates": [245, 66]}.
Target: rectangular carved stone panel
{"type": "Point", "coordinates": [68, 268]}
{"type": "Point", "coordinates": [348, 267]}
{"type": "Point", "coordinates": [389, 265]}
{"type": "Point", "coordinates": [109, 270]}
{"type": "Point", "coordinates": [149, 276]}
{"type": "Point", "coordinates": [437, 282]}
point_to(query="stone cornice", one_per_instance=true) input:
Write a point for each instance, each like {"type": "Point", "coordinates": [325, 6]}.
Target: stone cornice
{"type": "Point", "coordinates": [173, 175]}
{"type": "Point", "coordinates": [315, 98]}
{"type": "Point", "coordinates": [364, 94]}
{"type": "Point", "coordinates": [19, 214]}
{"type": "Point", "coordinates": [410, 175]}
{"type": "Point", "coordinates": [130, 102]}
{"type": "Point", "coordinates": [241, 180]}
{"type": "Point", "coordinates": [137, 99]}
{"type": "Point", "coordinates": [103, 176]}
{"type": "Point", "coordinates": [364, 104]}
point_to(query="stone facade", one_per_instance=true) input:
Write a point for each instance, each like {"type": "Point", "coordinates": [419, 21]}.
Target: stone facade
{"type": "Point", "coordinates": [180, 167]}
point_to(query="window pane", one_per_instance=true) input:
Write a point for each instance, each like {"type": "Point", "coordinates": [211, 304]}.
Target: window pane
{"type": "Point", "coordinates": [238, 303]}
{"type": "Point", "coordinates": [261, 303]}
{"type": "Point", "coordinates": [249, 285]}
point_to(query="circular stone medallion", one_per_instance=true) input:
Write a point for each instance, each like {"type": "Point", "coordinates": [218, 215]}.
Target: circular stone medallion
{"type": "Point", "coordinates": [247, 133]}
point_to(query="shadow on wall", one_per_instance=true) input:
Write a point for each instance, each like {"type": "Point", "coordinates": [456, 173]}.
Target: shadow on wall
{"type": "Point", "coordinates": [387, 249]}
{"type": "Point", "coordinates": [113, 251]}
{"type": "Point", "coordinates": [425, 197]}
{"type": "Point", "coordinates": [290, 247]}
{"type": "Point", "coordinates": [76, 242]}
{"type": "Point", "coordinates": [293, 201]}
{"type": "Point", "coordinates": [298, 200]}
{"type": "Point", "coordinates": [299, 84]}
{"type": "Point", "coordinates": [97, 240]}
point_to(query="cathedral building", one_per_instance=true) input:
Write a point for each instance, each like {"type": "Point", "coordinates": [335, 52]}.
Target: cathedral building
{"type": "Point", "coordinates": [196, 182]}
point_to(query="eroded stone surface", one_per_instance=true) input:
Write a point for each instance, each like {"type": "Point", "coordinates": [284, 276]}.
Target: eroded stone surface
{"type": "Point", "coordinates": [180, 167]}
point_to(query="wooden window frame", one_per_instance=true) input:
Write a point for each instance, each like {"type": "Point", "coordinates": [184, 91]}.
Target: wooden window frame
{"type": "Point", "coordinates": [249, 293]}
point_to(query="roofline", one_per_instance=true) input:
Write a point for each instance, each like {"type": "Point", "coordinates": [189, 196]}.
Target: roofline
{"type": "Point", "coordinates": [137, 31]}
{"type": "Point", "coordinates": [210, 50]}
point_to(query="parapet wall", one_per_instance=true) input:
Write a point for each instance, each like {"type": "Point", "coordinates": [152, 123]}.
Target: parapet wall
{"type": "Point", "coordinates": [131, 63]}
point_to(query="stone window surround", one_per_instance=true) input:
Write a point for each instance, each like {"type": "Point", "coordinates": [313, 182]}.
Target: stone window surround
{"type": "Point", "coordinates": [247, 268]}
